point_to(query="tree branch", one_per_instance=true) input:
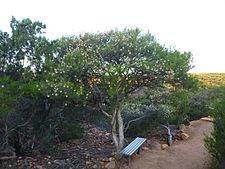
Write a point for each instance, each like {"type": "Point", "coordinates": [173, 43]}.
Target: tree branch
{"type": "Point", "coordinates": [168, 129]}
{"type": "Point", "coordinates": [20, 125]}
{"type": "Point", "coordinates": [107, 114]}
{"type": "Point", "coordinates": [131, 121]}
{"type": "Point", "coordinates": [104, 112]}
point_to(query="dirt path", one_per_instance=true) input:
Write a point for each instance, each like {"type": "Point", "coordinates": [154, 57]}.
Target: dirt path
{"type": "Point", "coordinates": [188, 154]}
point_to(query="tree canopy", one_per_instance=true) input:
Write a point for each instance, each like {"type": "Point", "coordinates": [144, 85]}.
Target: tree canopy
{"type": "Point", "coordinates": [97, 69]}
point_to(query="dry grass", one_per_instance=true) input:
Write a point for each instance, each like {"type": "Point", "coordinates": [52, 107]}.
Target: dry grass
{"type": "Point", "coordinates": [211, 79]}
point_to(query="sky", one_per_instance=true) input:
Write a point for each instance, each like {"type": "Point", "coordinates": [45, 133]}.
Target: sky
{"type": "Point", "coordinates": [197, 26]}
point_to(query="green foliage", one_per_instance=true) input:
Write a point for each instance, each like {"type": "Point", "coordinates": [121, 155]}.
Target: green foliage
{"type": "Point", "coordinates": [71, 131]}
{"type": "Point", "coordinates": [190, 83]}
{"type": "Point", "coordinates": [47, 145]}
{"type": "Point", "coordinates": [41, 79]}
{"type": "Point", "coordinates": [66, 82]}
{"type": "Point", "coordinates": [24, 47]}
{"type": "Point", "coordinates": [179, 102]}
{"type": "Point", "coordinates": [153, 115]}
{"type": "Point", "coordinates": [201, 103]}
{"type": "Point", "coordinates": [127, 60]}
{"type": "Point", "coordinates": [148, 106]}
{"type": "Point", "coordinates": [215, 143]}
{"type": "Point", "coordinates": [8, 95]}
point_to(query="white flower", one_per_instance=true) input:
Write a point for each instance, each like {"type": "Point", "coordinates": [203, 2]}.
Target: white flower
{"type": "Point", "coordinates": [3, 86]}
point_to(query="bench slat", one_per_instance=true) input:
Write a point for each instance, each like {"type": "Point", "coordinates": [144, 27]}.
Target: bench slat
{"type": "Point", "coordinates": [133, 146]}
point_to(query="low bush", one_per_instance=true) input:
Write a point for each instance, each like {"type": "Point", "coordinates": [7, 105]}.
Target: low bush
{"type": "Point", "coordinates": [200, 104]}
{"type": "Point", "coordinates": [215, 143]}
{"type": "Point", "coordinates": [71, 131]}
{"type": "Point", "coordinates": [146, 110]}
{"type": "Point", "coordinates": [179, 103]}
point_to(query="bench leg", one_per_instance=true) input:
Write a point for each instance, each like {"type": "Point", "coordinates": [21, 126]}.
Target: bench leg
{"type": "Point", "coordinates": [138, 152]}
{"type": "Point", "coordinates": [129, 159]}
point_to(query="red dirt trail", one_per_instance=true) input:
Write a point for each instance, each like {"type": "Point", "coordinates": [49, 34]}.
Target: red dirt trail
{"type": "Point", "coordinates": [187, 154]}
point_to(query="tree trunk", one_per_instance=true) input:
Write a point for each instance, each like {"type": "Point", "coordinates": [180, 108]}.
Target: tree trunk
{"type": "Point", "coordinates": [117, 130]}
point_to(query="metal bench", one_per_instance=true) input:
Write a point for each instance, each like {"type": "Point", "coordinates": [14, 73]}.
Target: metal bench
{"type": "Point", "coordinates": [133, 147]}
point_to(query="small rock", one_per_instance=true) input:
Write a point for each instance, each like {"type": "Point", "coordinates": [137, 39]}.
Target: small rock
{"type": "Point", "coordinates": [113, 153]}
{"type": "Point", "coordinates": [164, 146]}
{"type": "Point", "coordinates": [76, 141]}
{"type": "Point", "coordinates": [105, 160]}
{"type": "Point", "coordinates": [107, 134]}
{"type": "Point", "coordinates": [111, 159]}
{"type": "Point", "coordinates": [39, 167]}
{"type": "Point", "coordinates": [95, 166]}
{"type": "Point", "coordinates": [184, 136]}
{"type": "Point", "coordinates": [155, 146]}
{"type": "Point", "coordinates": [210, 119]}
{"type": "Point", "coordinates": [88, 162]}
{"type": "Point", "coordinates": [60, 162]}
{"type": "Point", "coordinates": [145, 148]}
{"type": "Point", "coordinates": [148, 141]}
{"type": "Point", "coordinates": [182, 127]}
{"type": "Point", "coordinates": [110, 165]}
{"type": "Point", "coordinates": [49, 163]}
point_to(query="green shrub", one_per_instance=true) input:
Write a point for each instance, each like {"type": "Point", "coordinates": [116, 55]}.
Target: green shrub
{"type": "Point", "coordinates": [71, 131]}
{"type": "Point", "coordinates": [179, 102]}
{"type": "Point", "coordinates": [47, 145]}
{"type": "Point", "coordinates": [150, 116]}
{"type": "Point", "coordinates": [200, 104]}
{"type": "Point", "coordinates": [216, 142]}
{"type": "Point", "coordinates": [147, 105]}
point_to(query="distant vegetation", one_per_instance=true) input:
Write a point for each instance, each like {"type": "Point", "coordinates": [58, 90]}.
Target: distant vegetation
{"type": "Point", "coordinates": [211, 79]}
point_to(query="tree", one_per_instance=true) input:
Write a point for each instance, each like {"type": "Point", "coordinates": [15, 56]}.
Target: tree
{"type": "Point", "coordinates": [106, 68]}
{"type": "Point", "coordinates": [4, 51]}
{"type": "Point", "coordinates": [25, 49]}
{"type": "Point", "coordinates": [22, 54]}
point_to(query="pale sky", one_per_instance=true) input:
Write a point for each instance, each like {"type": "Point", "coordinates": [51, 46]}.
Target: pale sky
{"type": "Point", "coordinates": [197, 26]}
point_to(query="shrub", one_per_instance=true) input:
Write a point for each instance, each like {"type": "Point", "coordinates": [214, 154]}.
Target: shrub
{"type": "Point", "coordinates": [46, 145]}
{"type": "Point", "coordinates": [71, 131]}
{"type": "Point", "coordinates": [179, 102]}
{"type": "Point", "coordinates": [153, 115]}
{"type": "Point", "coordinates": [215, 143]}
{"type": "Point", "coordinates": [149, 107]}
{"type": "Point", "coordinates": [200, 104]}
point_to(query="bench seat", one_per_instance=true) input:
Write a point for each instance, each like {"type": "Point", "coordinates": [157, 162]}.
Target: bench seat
{"type": "Point", "coordinates": [134, 146]}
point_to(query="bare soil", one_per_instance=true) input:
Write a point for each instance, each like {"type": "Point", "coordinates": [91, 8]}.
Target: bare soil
{"type": "Point", "coordinates": [185, 154]}
{"type": "Point", "coordinates": [96, 149]}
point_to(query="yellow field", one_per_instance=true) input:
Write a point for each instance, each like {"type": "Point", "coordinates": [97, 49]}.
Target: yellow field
{"type": "Point", "coordinates": [211, 79]}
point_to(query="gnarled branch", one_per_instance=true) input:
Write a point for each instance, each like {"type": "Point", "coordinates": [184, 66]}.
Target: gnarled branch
{"type": "Point", "coordinates": [131, 121]}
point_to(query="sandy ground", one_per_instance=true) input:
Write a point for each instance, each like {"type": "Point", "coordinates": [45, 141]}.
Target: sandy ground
{"type": "Point", "coordinates": [188, 154]}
